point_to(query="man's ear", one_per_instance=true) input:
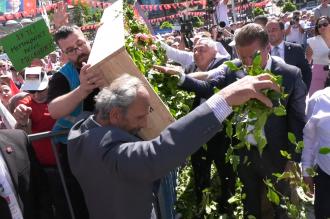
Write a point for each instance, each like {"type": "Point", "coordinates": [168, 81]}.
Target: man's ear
{"type": "Point", "coordinates": [115, 116]}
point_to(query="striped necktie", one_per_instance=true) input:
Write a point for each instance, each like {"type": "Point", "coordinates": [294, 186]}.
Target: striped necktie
{"type": "Point", "coordinates": [276, 51]}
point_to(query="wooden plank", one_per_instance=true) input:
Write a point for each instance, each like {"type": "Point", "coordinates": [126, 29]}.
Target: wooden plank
{"type": "Point", "coordinates": [113, 61]}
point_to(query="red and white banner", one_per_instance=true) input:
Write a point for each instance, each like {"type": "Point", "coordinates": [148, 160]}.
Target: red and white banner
{"type": "Point", "coordinates": [32, 11]}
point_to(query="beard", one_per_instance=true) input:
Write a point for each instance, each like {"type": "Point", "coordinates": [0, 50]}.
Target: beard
{"type": "Point", "coordinates": [135, 131]}
{"type": "Point", "coordinates": [80, 59]}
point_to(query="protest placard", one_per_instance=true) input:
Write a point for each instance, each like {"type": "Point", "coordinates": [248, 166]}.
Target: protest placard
{"type": "Point", "coordinates": [113, 61]}
{"type": "Point", "coordinates": [31, 42]}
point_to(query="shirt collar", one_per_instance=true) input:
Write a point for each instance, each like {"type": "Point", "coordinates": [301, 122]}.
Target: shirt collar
{"type": "Point", "coordinates": [280, 46]}
{"type": "Point", "coordinates": [209, 66]}
{"type": "Point", "coordinates": [269, 63]}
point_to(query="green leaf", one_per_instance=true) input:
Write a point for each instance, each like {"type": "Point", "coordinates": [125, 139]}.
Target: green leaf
{"type": "Point", "coordinates": [251, 216]}
{"type": "Point", "coordinates": [299, 147]}
{"type": "Point", "coordinates": [284, 175]}
{"type": "Point", "coordinates": [311, 172]}
{"type": "Point", "coordinates": [324, 150]}
{"type": "Point", "coordinates": [229, 129]}
{"type": "Point", "coordinates": [273, 197]}
{"type": "Point", "coordinates": [232, 66]}
{"type": "Point", "coordinates": [233, 199]}
{"type": "Point", "coordinates": [292, 137]}
{"type": "Point", "coordinates": [285, 154]}
{"type": "Point", "coordinates": [279, 110]}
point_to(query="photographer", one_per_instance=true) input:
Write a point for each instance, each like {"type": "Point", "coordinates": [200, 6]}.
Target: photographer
{"type": "Point", "coordinates": [222, 35]}
{"type": "Point", "coordinates": [221, 11]}
{"type": "Point", "coordinates": [294, 29]}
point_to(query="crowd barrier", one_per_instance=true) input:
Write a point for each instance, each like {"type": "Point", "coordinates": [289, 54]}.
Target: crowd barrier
{"type": "Point", "coordinates": [166, 194]}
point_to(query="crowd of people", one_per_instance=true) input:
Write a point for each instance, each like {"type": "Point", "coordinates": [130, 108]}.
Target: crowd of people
{"type": "Point", "coordinates": [112, 173]}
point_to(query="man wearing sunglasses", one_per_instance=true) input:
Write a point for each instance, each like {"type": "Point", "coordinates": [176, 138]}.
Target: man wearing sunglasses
{"type": "Point", "coordinates": [31, 114]}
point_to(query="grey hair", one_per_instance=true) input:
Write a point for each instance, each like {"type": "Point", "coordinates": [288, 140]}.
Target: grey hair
{"type": "Point", "coordinates": [208, 42]}
{"type": "Point", "coordinates": [121, 93]}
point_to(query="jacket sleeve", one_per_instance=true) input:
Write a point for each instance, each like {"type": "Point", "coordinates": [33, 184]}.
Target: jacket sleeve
{"type": "Point", "coordinates": [304, 67]}
{"type": "Point", "coordinates": [310, 138]}
{"type": "Point", "coordinates": [201, 88]}
{"type": "Point", "coordinates": [146, 161]}
{"type": "Point", "coordinates": [296, 112]}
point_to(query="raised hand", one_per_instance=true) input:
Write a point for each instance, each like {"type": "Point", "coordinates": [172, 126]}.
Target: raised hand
{"type": "Point", "coordinates": [22, 113]}
{"type": "Point", "coordinates": [60, 17]}
{"type": "Point", "coordinates": [167, 70]}
{"type": "Point", "coordinates": [90, 80]}
{"type": "Point", "coordinates": [247, 88]}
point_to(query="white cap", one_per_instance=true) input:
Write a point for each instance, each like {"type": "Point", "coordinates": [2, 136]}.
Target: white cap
{"type": "Point", "coordinates": [35, 79]}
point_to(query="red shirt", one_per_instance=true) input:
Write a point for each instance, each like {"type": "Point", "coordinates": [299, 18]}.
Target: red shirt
{"type": "Point", "coordinates": [41, 122]}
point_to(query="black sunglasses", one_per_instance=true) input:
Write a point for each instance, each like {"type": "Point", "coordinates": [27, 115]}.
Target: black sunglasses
{"type": "Point", "coordinates": [324, 25]}
{"type": "Point", "coordinates": [35, 91]}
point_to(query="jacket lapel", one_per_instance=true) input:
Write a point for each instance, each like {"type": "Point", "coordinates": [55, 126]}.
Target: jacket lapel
{"type": "Point", "coordinates": [9, 157]}
{"type": "Point", "coordinates": [285, 52]}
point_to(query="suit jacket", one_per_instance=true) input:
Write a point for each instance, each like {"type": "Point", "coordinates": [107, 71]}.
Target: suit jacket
{"type": "Point", "coordinates": [117, 170]}
{"type": "Point", "coordinates": [276, 128]}
{"type": "Point", "coordinates": [295, 55]}
{"type": "Point", "coordinates": [25, 175]}
{"type": "Point", "coordinates": [192, 68]}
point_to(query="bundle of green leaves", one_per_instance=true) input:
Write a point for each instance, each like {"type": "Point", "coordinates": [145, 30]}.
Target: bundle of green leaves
{"type": "Point", "coordinates": [251, 117]}
{"type": "Point", "coordinates": [147, 52]}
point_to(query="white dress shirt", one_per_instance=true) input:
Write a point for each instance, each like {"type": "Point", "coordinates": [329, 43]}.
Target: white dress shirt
{"type": "Point", "coordinates": [185, 58]}
{"type": "Point", "coordinates": [320, 50]}
{"type": "Point", "coordinates": [221, 12]}
{"type": "Point", "coordinates": [295, 36]}
{"type": "Point", "coordinates": [317, 131]}
{"type": "Point", "coordinates": [7, 190]}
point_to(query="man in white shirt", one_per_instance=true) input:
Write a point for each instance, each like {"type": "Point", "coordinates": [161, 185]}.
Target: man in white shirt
{"type": "Point", "coordinates": [317, 136]}
{"type": "Point", "coordinates": [221, 12]}
{"type": "Point", "coordinates": [185, 58]}
{"type": "Point", "coordinates": [294, 29]}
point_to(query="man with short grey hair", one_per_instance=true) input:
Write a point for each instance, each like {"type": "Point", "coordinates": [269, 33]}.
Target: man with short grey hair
{"type": "Point", "coordinates": [118, 172]}
{"type": "Point", "coordinates": [322, 10]}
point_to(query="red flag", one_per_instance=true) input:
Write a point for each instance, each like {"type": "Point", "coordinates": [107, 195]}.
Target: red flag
{"type": "Point", "coordinates": [13, 88]}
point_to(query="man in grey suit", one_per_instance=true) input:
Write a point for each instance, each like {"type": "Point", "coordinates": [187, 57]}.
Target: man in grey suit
{"type": "Point", "coordinates": [119, 172]}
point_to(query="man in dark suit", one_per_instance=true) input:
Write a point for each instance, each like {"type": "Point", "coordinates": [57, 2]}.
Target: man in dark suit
{"type": "Point", "coordinates": [291, 53]}
{"type": "Point", "coordinates": [205, 60]}
{"type": "Point", "coordinates": [118, 172]}
{"type": "Point", "coordinates": [23, 192]}
{"type": "Point", "coordinates": [250, 39]}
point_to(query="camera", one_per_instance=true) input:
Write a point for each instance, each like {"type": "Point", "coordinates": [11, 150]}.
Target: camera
{"type": "Point", "coordinates": [186, 27]}
{"type": "Point", "coordinates": [295, 20]}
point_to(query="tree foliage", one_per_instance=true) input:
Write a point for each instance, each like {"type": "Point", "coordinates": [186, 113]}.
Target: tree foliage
{"type": "Point", "coordinates": [288, 7]}
{"type": "Point", "coordinates": [166, 25]}
{"type": "Point", "coordinates": [258, 11]}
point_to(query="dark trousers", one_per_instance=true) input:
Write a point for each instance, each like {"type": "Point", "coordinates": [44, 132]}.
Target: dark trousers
{"type": "Point", "coordinates": [60, 203]}
{"type": "Point", "coordinates": [201, 162]}
{"type": "Point", "coordinates": [253, 173]}
{"type": "Point", "coordinates": [322, 195]}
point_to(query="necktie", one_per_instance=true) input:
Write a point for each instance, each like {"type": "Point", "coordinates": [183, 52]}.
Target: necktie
{"type": "Point", "coordinates": [276, 51]}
